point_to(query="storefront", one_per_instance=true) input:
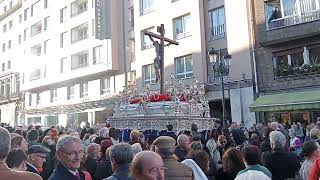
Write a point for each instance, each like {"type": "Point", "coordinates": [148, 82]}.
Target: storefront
{"type": "Point", "coordinates": [291, 107]}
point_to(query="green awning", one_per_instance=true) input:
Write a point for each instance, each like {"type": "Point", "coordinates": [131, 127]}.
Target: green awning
{"type": "Point", "coordinates": [307, 100]}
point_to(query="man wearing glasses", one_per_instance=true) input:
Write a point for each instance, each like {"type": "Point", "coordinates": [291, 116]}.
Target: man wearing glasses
{"type": "Point", "coordinates": [36, 157]}
{"type": "Point", "coordinates": [69, 154]}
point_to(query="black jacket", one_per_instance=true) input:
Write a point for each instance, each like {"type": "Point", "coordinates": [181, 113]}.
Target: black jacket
{"type": "Point", "coordinates": [281, 164]}
{"type": "Point", "coordinates": [31, 169]}
{"type": "Point", "coordinates": [61, 173]}
{"type": "Point", "coordinates": [103, 170]}
{"type": "Point", "coordinates": [91, 165]}
{"type": "Point", "coordinates": [122, 173]}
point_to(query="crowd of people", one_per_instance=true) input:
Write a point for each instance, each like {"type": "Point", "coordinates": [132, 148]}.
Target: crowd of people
{"type": "Point", "coordinates": [271, 151]}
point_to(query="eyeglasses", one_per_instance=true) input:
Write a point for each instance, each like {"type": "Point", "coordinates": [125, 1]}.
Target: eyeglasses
{"type": "Point", "coordinates": [42, 157]}
{"type": "Point", "coordinates": [74, 153]}
{"type": "Point", "coordinates": [154, 171]}
{"type": "Point", "coordinates": [223, 142]}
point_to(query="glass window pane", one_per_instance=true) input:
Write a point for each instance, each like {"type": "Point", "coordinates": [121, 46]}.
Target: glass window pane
{"type": "Point", "coordinates": [179, 66]}
{"type": "Point", "coordinates": [189, 64]}
{"type": "Point", "coordinates": [178, 25]}
{"type": "Point", "coordinates": [297, 59]}
{"type": "Point", "coordinates": [289, 7]}
{"type": "Point", "coordinates": [314, 55]}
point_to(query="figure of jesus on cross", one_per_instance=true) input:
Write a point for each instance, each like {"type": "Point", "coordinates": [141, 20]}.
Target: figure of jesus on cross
{"type": "Point", "coordinates": [159, 49]}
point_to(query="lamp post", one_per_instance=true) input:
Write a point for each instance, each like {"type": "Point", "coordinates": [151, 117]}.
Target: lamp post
{"type": "Point", "coordinates": [221, 65]}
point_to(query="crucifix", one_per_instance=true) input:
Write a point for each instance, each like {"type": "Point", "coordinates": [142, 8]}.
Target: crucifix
{"type": "Point", "coordinates": [158, 62]}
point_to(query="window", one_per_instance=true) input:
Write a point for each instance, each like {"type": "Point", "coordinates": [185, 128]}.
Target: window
{"type": "Point", "coordinates": [45, 4]}
{"type": "Point", "coordinates": [174, 1]}
{"type": "Point", "coordinates": [4, 28]}
{"type": "Point", "coordinates": [184, 67]}
{"type": "Point", "coordinates": [217, 23]}
{"type": "Point", "coordinates": [79, 60]}
{"type": "Point", "coordinates": [4, 47]}
{"type": "Point", "coordinates": [63, 65]}
{"type": "Point", "coordinates": [36, 28]}
{"type": "Point", "coordinates": [146, 6]}
{"type": "Point", "coordinates": [45, 23]}
{"type": "Point", "coordinates": [314, 54]}
{"type": "Point", "coordinates": [10, 24]}
{"type": "Point", "coordinates": [84, 89]}
{"type": "Point", "coordinates": [36, 8]}
{"type": "Point", "coordinates": [36, 50]}
{"type": "Point", "coordinates": [105, 86]}
{"type": "Point", "coordinates": [63, 14]}
{"type": "Point", "coordinates": [78, 7]}
{"type": "Point", "coordinates": [20, 18]}
{"type": "Point", "coordinates": [45, 46]}
{"type": "Point", "coordinates": [2, 83]}
{"type": "Point", "coordinates": [4, 8]}
{"type": "Point", "coordinates": [149, 76]}
{"type": "Point", "coordinates": [26, 14]}
{"type": "Point", "coordinates": [9, 44]}
{"type": "Point", "coordinates": [182, 27]}
{"type": "Point", "coordinates": [292, 57]}
{"type": "Point", "coordinates": [9, 64]}
{"type": "Point", "coordinates": [53, 95]}
{"type": "Point", "coordinates": [131, 18]}
{"type": "Point", "coordinates": [146, 42]}
{"type": "Point", "coordinates": [71, 92]}
{"type": "Point", "coordinates": [97, 55]}
{"type": "Point", "coordinates": [19, 38]}
{"type": "Point", "coordinates": [79, 33]}
{"type": "Point", "coordinates": [3, 67]}
{"type": "Point", "coordinates": [63, 37]}
{"type": "Point", "coordinates": [10, 5]}
{"type": "Point", "coordinates": [35, 74]}
{"type": "Point", "coordinates": [25, 34]}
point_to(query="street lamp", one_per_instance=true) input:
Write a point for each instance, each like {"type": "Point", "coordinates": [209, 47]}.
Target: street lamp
{"type": "Point", "coordinates": [221, 65]}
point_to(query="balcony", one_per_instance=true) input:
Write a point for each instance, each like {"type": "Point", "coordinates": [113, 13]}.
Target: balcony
{"type": "Point", "coordinates": [36, 28]}
{"type": "Point", "coordinates": [217, 32]}
{"type": "Point", "coordinates": [282, 24]}
{"type": "Point", "coordinates": [78, 7]}
{"type": "Point", "coordinates": [79, 60]}
{"type": "Point", "coordinates": [11, 10]}
{"type": "Point", "coordinates": [11, 96]}
{"type": "Point", "coordinates": [293, 20]}
{"type": "Point", "coordinates": [79, 33]}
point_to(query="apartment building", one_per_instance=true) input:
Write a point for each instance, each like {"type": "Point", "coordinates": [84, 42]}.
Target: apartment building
{"type": "Point", "coordinates": [228, 29]}
{"type": "Point", "coordinates": [287, 56]}
{"type": "Point", "coordinates": [199, 26]}
{"type": "Point", "coordinates": [10, 40]}
{"type": "Point", "coordinates": [73, 60]}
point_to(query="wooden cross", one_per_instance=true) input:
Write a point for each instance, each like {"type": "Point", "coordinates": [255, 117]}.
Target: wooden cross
{"type": "Point", "coordinates": [160, 52]}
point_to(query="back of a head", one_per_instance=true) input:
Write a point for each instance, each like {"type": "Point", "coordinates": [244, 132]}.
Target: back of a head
{"type": "Point", "coordinates": [194, 127]}
{"type": "Point", "coordinates": [180, 138]}
{"type": "Point", "coordinates": [201, 158]}
{"type": "Point", "coordinates": [136, 148]}
{"type": "Point", "coordinates": [5, 143]}
{"type": "Point", "coordinates": [121, 153]}
{"type": "Point", "coordinates": [15, 158]}
{"type": "Point", "coordinates": [232, 161]}
{"type": "Point", "coordinates": [16, 141]}
{"type": "Point", "coordinates": [169, 127]}
{"type": "Point", "coordinates": [314, 133]}
{"type": "Point", "coordinates": [308, 148]}
{"type": "Point", "coordinates": [277, 140]}
{"type": "Point", "coordinates": [251, 155]}
{"type": "Point", "coordinates": [113, 133]}
{"type": "Point", "coordinates": [266, 131]}
{"type": "Point", "coordinates": [196, 145]}
{"type": "Point", "coordinates": [104, 132]}
{"type": "Point", "coordinates": [134, 135]}
{"type": "Point", "coordinates": [33, 135]}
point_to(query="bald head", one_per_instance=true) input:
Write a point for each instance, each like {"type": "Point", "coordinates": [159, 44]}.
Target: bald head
{"type": "Point", "coordinates": [274, 125]}
{"type": "Point", "coordinates": [147, 165]}
{"type": "Point", "coordinates": [183, 140]}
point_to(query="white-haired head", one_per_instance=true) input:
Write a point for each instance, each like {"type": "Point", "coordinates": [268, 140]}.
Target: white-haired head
{"type": "Point", "coordinates": [277, 140]}
{"type": "Point", "coordinates": [104, 132]}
